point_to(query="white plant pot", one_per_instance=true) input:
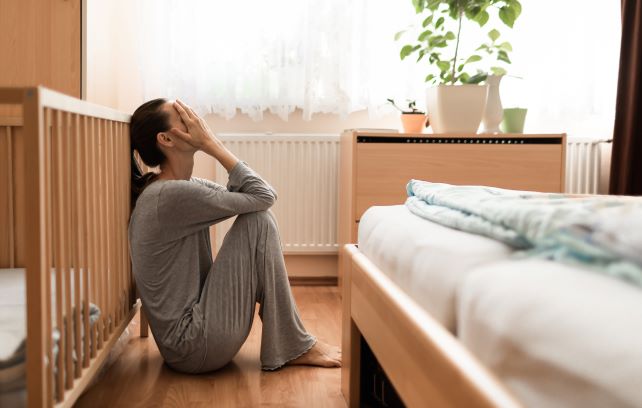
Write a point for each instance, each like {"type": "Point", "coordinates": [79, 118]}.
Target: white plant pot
{"type": "Point", "coordinates": [456, 108]}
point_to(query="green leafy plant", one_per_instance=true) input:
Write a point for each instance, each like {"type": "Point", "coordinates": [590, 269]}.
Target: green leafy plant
{"type": "Point", "coordinates": [412, 106]}
{"type": "Point", "coordinates": [439, 43]}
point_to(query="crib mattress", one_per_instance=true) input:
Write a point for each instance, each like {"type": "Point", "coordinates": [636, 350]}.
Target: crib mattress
{"type": "Point", "coordinates": [12, 334]}
{"type": "Point", "coordinates": [13, 330]}
{"type": "Point", "coordinates": [428, 261]}
{"type": "Point", "coordinates": [12, 312]}
{"type": "Point", "coordinates": [558, 335]}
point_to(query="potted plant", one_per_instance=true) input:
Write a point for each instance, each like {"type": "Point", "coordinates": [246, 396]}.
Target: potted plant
{"type": "Point", "coordinates": [412, 120]}
{"type": "Point", "coordinates": [456, 101]}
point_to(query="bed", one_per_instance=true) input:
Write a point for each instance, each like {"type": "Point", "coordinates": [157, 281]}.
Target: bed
{"type": "Point", "coordinates": [64, 208]}
{"type": "Point", "coordinates": [454, 319]}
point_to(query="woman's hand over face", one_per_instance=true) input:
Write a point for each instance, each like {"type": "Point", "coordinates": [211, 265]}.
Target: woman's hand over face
{"type": "Point", "coordinates": [198, 133]}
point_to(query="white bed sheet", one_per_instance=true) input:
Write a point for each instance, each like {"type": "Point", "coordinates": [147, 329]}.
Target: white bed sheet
{"type": "Point", "coordinates": [428, 261]}
{"type": "Point", "coordinates": [559, 336]}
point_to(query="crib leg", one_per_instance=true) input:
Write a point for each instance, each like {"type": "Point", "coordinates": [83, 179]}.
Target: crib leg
{"type": "Point", "coordinates": [144, 325]}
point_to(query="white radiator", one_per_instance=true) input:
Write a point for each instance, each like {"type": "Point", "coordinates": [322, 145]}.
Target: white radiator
{"type": "Point", "coordinates": [303, 169]}
{"type": "Point", "coordinates": [587, 166]}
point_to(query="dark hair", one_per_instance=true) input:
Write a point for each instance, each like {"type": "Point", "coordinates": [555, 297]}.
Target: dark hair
{"type": "Point", "coordinates": [146, 122]}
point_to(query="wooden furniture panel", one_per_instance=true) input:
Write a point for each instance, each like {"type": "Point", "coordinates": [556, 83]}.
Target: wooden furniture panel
{"type": "Point", "coordinates": [382, 174]}
{"type": "Point", "coordinates": [41, 44]}
{"type": "Point", "coordinates": [375, 167]}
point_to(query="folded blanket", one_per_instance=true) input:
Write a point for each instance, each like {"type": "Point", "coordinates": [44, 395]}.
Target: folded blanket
{"type": "Point", "coordinates": [599, 231]}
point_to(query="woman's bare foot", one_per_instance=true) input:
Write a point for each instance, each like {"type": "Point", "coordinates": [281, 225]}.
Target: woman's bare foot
{"type": "Point", "coordinates": [321, 355]}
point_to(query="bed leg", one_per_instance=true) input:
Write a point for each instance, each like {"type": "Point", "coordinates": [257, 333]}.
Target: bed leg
{"type": "Point", "coordinates": [144, 325]}
{"type": "Point", "coordinates": [350, 336]}
{"type": "Point", "coordinates": [354, 376]}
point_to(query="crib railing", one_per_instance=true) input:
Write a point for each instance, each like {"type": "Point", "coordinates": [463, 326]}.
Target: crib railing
{"type": "Point", "coordinates": [74, 172]}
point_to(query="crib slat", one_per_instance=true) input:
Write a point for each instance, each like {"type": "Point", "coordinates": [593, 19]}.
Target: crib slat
{"type": "Point", "coordinates": [10, 199]}
{"type": "Point", "coordinates": [110, 225]}
{"type": "Point", "coordinates": [67, 250]}
{"type": "Point", "coordinates": [76, 240]}
{"type": "Point", "coordinates": [86, 245]}
{"type": "Point", "coordinates": [49, 250]}
{"type": "Point", "coordinates": [123, 154]}
{"type": "Point", "coordinates": [92, 225]}
{"type": "Point", "coordinates": [101, 232]}
{"type": "Point", "coordinates": [124, 206]}
{"type": "Point", "coordinates": [99, 228]}
{"type": "Point", "coordinates": [116, 214]}
{"type": "Point", "coordinates": [58, 219]}
{"type": "Point", "coordinates": [117, 189]}
{"type": "Point", "coordinates": [106, 229]}
{"type": "Point", "coordinates": [123, 218]}
{"type": "Point", "coordinates": [116, 224]}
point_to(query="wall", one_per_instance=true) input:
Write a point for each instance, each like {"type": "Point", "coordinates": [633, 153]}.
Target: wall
{"type": "Point", "coordinates": [113, 79]}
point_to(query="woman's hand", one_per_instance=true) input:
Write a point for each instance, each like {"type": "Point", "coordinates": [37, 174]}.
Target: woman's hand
{"type": "Point", "coordinates": [198, 134]}
{"type": "Point", "coordinates": [201, 137]}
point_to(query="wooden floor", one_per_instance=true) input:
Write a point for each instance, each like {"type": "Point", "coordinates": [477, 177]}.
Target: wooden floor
{"type": "Point", "coordinates": [138, 377]}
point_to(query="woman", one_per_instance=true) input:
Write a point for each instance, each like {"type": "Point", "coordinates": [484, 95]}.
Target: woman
{"type": "Point", "coordinates": [201, 311]}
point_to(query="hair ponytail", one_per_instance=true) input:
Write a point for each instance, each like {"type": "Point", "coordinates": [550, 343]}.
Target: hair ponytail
{"type": "Point", "coordinates": [146, 122]}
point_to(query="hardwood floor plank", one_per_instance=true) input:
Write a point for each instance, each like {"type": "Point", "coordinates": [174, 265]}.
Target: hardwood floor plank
{"type": "Point", "coordinates": [139, 378]}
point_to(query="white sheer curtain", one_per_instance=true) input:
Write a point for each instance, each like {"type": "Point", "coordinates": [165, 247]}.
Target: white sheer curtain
{"type": "Point", "coordinates": [332, 56]}
{"type": "Point", "coordinates": [339, 56]}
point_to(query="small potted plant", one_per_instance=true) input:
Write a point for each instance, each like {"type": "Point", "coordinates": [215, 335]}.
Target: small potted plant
{"type": "Point", "coordinates": [412, 120]}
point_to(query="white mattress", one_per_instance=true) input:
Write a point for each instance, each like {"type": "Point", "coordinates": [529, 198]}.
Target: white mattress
{"type": "Point", "coordinates": [428, 261]}
{"type": "Point", "coordinates": [559, 336]}
{"type": "Point", "coordinates": [13, 327]}
{"type": "Point", "coordinates": [13, 330]}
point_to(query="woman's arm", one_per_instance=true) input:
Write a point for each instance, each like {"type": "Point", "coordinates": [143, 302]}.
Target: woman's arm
{"type": "Point", "coordinates": [185, 207]}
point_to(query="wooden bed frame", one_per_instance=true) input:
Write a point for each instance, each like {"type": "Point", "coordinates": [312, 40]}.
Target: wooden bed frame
{"type": "Point", "coordinates": [424, 362]}
{"type": "Point", "coordinates": [67, 205]}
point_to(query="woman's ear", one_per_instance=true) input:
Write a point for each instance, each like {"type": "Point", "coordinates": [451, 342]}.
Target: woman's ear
{"type": "Point", "coordinates": [165, 139]}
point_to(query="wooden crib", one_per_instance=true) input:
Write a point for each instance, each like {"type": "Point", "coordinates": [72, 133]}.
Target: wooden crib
{"type": "Point", "coordinates": [64, 211]}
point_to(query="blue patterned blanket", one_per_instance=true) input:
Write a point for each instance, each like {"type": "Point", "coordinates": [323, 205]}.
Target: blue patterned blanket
{"type": "Point", "coordinates": [603, 232]}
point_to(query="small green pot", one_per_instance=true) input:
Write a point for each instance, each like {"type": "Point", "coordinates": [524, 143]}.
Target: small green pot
{"type": "Point", "coordinates": [514, 119]}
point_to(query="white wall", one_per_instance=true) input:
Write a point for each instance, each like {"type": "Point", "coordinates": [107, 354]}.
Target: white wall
{"type": "Point", "coordinates": [112, 78]}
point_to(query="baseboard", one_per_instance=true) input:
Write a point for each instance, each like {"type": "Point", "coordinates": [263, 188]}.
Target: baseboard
{"type": "Point", "coordinates": [313, 280]}
{"type": "Point", "coordinates": [312, 266]}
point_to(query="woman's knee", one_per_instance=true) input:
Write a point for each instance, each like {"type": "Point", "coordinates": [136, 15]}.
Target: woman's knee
{"type": "Point", "coordinates": [259, 217]}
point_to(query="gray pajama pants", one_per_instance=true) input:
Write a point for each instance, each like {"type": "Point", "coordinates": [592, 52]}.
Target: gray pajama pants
{"type": "Point", "coordinates": [249, 268]}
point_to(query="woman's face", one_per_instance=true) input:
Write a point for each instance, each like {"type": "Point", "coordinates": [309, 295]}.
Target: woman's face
{"type": "Point", "coordinates": [175, 121]}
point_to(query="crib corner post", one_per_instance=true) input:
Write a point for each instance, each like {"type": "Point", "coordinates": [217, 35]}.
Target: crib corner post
{"type": "Point", "coordinates": [38, 362]}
